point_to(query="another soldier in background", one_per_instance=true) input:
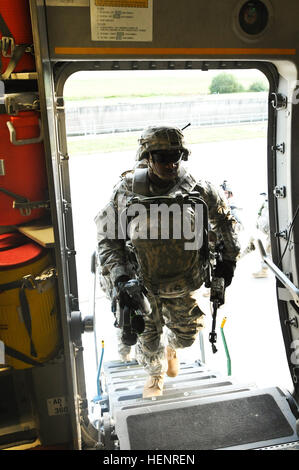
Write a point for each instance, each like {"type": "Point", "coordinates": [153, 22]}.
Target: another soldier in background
{"type": "Point", "coordinates": [235, 210]}
{"type": "Point", "coordinates": [263, 225]}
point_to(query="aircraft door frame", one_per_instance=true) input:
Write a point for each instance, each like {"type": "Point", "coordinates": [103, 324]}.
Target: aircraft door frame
{"type": "Point", "coordinates": [52, 75]}
{"type": "Point", "coordinates": [58, 184]}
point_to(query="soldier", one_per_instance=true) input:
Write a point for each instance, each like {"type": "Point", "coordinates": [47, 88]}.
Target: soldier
{"type": "Point", "coordinates": [262, 224]}
{"type": "Point", "coordinates": [165, 268]}
{"type": "Point", "coordinates": [230, 200]}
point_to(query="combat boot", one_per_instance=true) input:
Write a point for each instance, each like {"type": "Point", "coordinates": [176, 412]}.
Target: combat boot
{"type": "Point", "coordinates": [173, 362]}
{"type": "Point", "coordinates": [153, 386]}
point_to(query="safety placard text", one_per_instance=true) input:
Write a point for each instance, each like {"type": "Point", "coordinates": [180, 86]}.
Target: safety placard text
{"type": "Point", "coordinates": [121, 20]}
{"type": "Point", "coordinates": [122, 3]}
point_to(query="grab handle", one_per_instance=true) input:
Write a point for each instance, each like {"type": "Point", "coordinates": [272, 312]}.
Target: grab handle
{"type": "Point", "coordinates": [294, 291]}
{"type": "Point", "coordinates": [13, 138]}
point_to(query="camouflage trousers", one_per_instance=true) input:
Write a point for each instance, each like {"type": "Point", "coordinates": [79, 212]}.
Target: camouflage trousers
{"type": "Point", "coordinates": [124, 351]}
{"type": "Point", "coordinates": [182, 319]}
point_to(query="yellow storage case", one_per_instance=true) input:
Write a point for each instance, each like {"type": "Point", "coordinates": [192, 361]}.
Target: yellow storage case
{"type": "Point", "coordinates": [29, 325]}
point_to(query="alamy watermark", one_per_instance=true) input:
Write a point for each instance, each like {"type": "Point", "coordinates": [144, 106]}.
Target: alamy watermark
{"type": "Point", "coordinates": [155, 221]}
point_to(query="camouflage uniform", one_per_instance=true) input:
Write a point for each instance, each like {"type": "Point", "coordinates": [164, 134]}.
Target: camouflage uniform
{"type": "Point", "coordinates": [183, 319]}
{"type": "Point", "coordinates": [181, 315]}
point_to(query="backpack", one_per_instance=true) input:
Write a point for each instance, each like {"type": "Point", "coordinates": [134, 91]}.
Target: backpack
{"type": "Point", "coordinates": [170, 263]}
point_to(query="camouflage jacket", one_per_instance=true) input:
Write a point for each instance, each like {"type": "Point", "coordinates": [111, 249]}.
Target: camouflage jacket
{"type": "Point", "coordinates": [111, 250]}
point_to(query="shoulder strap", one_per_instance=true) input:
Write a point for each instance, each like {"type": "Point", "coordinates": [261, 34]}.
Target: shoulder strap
{"type": "Point", "coordinates": [186, 181]}
{"type": "Point", "coordinates": [141, 182]}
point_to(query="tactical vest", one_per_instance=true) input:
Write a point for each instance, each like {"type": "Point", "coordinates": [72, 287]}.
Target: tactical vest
{"type": "Point", "coordinates": [169, 236]}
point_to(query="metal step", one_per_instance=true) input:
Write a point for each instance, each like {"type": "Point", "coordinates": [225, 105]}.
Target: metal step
{"type": "Point", "coordinates": [127, 376]}
{"type": "Point", "coordinates": [134, 400]}
{"type": "Point", "coordinates": [199, 409]}
{"type": "Point", "coordinates": [248, 419]}
{"type": "Point", "coordinates": [124, 385]}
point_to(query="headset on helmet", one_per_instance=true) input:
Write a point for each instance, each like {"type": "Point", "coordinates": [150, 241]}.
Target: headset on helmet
{"type": "Point", "coordinates": [161, 138]}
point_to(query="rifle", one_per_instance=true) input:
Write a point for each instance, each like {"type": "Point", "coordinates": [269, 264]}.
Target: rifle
{"type": "Point", "coordinates": [217, 292]}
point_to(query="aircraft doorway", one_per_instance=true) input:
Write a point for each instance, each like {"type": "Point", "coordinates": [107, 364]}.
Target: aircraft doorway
{"type": "Point", "coordinates": [105, 115]}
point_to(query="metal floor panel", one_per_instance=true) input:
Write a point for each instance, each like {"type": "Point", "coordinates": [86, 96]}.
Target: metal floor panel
{"type": "Point", "coordinates": [248, 419]}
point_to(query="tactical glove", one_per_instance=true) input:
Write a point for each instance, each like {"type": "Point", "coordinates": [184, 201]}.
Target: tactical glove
{"type": "Point", "coordinates": [226, 270]}
{"type": "Point", "coordinates": [129, 304]}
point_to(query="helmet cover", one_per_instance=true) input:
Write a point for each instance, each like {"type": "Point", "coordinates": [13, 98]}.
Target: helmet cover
{"type": "Point", "coordinates": [161, 138]}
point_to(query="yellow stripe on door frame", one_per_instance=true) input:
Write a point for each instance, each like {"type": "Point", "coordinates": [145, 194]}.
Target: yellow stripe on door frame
{"type": "Point", "coordinates": [147, 51]}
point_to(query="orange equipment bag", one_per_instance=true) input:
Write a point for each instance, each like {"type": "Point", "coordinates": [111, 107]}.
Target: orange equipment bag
{"type": "Point", "coordinates": [15, 38]}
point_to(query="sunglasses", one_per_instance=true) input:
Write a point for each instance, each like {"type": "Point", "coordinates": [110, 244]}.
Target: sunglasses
{"type": "Point", "coordinates": [164, 156]}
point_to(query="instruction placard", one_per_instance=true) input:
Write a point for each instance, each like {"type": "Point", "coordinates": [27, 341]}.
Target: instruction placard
{"type": "Point", "coordinates": [67, 3]}
{"type": "Point", "coordinates": [121, 20]}
{"type": "Point", "coordinates": [2, 352]}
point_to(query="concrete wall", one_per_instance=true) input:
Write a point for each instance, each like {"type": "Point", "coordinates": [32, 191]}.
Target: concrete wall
{"type": "Point", "coordinates": [105, 116]}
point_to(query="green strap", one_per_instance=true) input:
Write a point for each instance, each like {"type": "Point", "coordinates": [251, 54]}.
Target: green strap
{"type": "Point", "coordinates": [27, 318]}
{"type": "Point", "coordinates": [17, 197]}
{"type": "Point", "coordinates": [4, 28]}
{"type": "Point", "coordinates": [17, 54]}
{"type": "Point", "coordinates": [25, 309]}
{"type": "Point", "coordinates": [20, 356]}
{"type": "Point", "coordinates": [10, 285]}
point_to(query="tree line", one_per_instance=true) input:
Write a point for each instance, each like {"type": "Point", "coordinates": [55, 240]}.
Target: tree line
{"type": "Point", "coordinates": [227, 83]}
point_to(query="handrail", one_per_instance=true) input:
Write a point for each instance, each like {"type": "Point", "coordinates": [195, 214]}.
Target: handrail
{"type": "Point", "coordinates": [294, 291]}
{"type": "Point", "coordinates": [228, 359]}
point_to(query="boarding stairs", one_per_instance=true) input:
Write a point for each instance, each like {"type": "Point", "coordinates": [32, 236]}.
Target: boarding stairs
{"type": "Point", "coordinates": [200, 410]}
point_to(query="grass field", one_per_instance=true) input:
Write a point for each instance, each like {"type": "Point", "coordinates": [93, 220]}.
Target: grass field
{"type": "Point", "coordinates": [95, 85]}
{"type": "Point", "coordinates": [129, 140]}
{"type": "Point", "coordinates": [123, 84]}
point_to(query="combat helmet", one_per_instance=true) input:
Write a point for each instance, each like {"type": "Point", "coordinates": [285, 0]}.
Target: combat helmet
{"type": "Point", "coordinates": [161, 138]}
